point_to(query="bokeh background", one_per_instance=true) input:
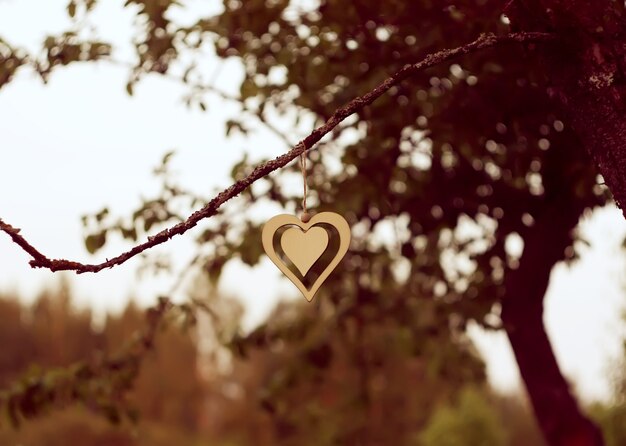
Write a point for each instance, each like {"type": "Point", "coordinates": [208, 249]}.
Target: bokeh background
{"type": "Point", "coordinates": [405, 345]}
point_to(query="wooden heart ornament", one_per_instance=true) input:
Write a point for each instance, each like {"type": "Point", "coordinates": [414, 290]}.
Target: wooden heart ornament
{"type": "Point", "coordinates": [304, 243]}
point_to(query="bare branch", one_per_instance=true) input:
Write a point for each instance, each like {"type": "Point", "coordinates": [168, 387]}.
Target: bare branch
{"type": "Point", "coordinates": [211, 208]}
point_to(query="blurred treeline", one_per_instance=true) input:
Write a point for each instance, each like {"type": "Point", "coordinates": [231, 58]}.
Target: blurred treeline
{"type": "Point", "coordinates": [184, 396]}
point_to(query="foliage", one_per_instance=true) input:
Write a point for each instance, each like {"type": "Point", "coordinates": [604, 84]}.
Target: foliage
{"type": "Point", "coordinates": [612, 420]}
{"type": "Point", "coordinates": [59, 50]}
{"type": "Point", "coordinates": [71, 364]}
{"type": "Point", "coordinates": [182, 395]}
{"type": "Point", "coordinates": [338, 385]}
{"type": "Point", "coordinates": [612, 417]}
{"type": "Point", "coordinates": [516, 416]}
{"type": "Point", "coordinates": [458, 161]}
{"type": "Point", "coordinates": [454, 164]}
{"type": "Point", "coordinates": [470, 422]}
{"type": "Point", "coordinates": [87, 375]}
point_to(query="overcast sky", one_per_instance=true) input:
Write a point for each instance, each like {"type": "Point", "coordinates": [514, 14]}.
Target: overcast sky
{"type": "Point", "coordinates": [81, 143]}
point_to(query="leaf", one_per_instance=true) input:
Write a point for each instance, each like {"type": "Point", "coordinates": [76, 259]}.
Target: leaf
{"type": "Point", "coordinates": [149, 221]}
{"type": "Point", "coordinates": [168, 155]}
{"type": "Point", "coordinates": [129, 233]}
{"type": "Point", "coordinates": [94, 242]}
{"type": "Point", "coordinates": [248, 89]}
{"type": "Point", "coordinates": [251, 253]}
{"type": "Point", "coordinates": [102, 214]}
{"type": "Point", "coordinates": [71, 9]}
{"type": "Point", "coordinates": [214, 268]}
{"type": "Point", "coordinates": [233, 124]}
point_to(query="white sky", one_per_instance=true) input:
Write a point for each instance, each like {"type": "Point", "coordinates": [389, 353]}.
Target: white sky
{"type": "Point", "coordinates": [80, 143]}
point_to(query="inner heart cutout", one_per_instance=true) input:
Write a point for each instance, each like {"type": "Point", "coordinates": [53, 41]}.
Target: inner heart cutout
{"type": "Point", "coordinates": [304, 248]}
{"type": "Point", "coordinates": [304, 244]}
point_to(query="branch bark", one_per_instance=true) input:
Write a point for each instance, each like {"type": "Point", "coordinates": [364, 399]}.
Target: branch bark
{"type": "Point", "coordinates": [39, 260]}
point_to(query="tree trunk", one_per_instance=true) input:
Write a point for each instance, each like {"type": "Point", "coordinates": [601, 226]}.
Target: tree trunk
{"type": "Point", "coordinates": [556, 410]}
{"type": "Point", "coordinates": [586, 66]}
{"type": "Point", "coordinates": [586, 70]}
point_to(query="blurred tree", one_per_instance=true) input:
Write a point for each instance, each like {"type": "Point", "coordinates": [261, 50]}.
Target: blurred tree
{"type": "Point", "coordinates": [472, 165]}
{"type": "Point", "coordinates": [471, 422]}
{"type": "Point", "coordinates": [179, 406]}
{"type": "Point", "coordinates": [168, 389]}
{"type": "Point", "coordinates": [360, 383]}
{"type": "Point", "coordinates": [168, 393]}
{"type": "Point", "coordinates": [517, 417]}
{"type": "Point", "coordinates": [465, 162]}
{"type": "Point", "coordinates": [27, 333]}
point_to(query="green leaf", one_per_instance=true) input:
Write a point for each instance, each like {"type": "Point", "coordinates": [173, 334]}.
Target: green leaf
{"type": "Point", "coordinates": [71, 9]}
{"type": "Point", "coordinates": [233, 124]}
{"type": "Point", "coordinates": [129, 233]}
{"type": "Point", "coordinates": [248, 89]}
{"type": "Point", "coordinates": [94, 242]}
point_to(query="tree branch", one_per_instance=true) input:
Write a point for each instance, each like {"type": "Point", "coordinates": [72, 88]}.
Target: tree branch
{"type": "Point", "coordinates": [211, 208]}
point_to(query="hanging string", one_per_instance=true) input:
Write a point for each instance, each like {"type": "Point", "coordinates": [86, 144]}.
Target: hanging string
{"type": "Point", "coordinates": [305, 214]}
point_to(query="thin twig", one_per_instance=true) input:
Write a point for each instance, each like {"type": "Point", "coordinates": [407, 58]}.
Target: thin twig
{"type": "Point", "coordinates": [212, 89]}
{"type": "Point", "coordinates": [210, 209]}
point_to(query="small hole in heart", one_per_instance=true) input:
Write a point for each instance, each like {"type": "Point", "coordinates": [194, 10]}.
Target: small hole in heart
{"type": "Point", "coordinates": [299, 243]}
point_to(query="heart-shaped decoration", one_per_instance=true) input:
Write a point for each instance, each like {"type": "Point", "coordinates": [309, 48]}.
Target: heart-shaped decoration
{"type": "Point", "coordinates": [304, 248]}
{"type": "Point", "coordinates": [303, 244]}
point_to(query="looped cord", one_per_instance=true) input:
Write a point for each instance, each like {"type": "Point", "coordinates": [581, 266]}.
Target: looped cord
{"type": "Point", "coordinates": [304, 180]}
